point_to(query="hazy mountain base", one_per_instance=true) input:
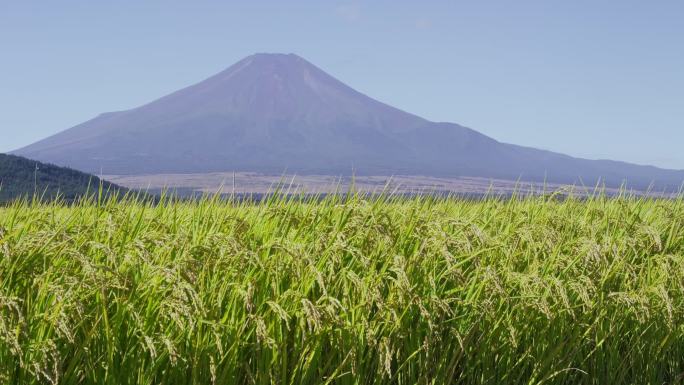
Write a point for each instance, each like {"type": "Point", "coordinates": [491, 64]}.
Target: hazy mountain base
{"type": "Point", "coordinates": [254, 183]}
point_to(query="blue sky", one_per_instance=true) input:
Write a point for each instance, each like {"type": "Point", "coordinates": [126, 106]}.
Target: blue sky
{"type": "Point", "coordinates": [597, 79]}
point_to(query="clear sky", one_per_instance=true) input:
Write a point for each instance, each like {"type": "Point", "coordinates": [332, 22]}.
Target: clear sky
{"type": "Point", "coordinates": [597, 79]}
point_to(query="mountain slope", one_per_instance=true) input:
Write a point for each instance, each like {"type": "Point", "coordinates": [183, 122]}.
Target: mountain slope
{"type": "Point", "coordinates": [21, 177]}
{"type": "Point", "coordinates": [273, 113]}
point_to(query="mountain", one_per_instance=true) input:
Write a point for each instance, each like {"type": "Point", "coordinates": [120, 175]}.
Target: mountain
{"type": "Point", "coordinates": [275, 113]}
{"type": "Point", "coordinates": [21, 177]}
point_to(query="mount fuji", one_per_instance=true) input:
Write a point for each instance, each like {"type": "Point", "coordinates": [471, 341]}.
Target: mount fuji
{"type": "Point", "coordinates": [276, 113]}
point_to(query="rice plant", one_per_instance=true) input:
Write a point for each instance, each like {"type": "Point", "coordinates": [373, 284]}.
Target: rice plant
{"type": "Point", "coordinates": [343, 290]}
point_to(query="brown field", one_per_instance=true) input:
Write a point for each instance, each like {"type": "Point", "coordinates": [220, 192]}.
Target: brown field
{"type": "Point", "coordinates": [245, 183]}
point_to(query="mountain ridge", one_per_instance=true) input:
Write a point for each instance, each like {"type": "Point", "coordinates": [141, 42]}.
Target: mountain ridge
{"type": "Point", "coordinates": [274, 112]}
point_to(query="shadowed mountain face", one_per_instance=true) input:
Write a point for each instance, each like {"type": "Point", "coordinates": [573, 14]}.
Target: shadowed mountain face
{"type": "Point", "coordinates": [275, 113]}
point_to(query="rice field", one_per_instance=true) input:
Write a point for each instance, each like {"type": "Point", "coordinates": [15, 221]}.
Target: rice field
{"type": "Point", "coordinates": [385, 290]}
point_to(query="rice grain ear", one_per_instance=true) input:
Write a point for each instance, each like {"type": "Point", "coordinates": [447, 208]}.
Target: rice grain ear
{"type": "Point", "coordinates": [390, 292]}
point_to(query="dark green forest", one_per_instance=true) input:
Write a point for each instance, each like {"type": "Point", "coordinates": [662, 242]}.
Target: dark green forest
{"type": "Point", "coordinates": [24, 178]}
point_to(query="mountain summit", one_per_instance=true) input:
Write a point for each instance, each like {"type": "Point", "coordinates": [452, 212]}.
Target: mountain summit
{"type": "Point", "coordinates": [273, 113]}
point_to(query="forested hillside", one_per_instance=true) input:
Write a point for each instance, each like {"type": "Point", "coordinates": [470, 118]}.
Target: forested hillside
{"type": "Point", "coordinates": [21, 177]}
